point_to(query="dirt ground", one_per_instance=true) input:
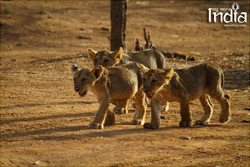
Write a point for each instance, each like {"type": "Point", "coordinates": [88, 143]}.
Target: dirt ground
{"type": "Point", "coordinates": [45, 123]}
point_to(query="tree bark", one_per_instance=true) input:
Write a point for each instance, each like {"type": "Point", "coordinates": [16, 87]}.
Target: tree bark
{"type": "Point", "coordinates": [138, 46]}
{"type": "Point", "coordinates": [118, 16]}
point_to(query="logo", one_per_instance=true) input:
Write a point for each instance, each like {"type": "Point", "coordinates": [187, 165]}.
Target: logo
{"type": "Point", "coordinates": [228, 15]}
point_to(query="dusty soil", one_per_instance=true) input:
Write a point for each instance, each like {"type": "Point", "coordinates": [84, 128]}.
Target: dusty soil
{"type": "Point", "coordinates": [45, 123]}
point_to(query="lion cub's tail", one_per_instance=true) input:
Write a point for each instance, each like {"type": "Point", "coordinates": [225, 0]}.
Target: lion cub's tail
{"type": "Point", "coordinates": [227, 96]}
{"type": "Point", "coordinates": [222, 80]}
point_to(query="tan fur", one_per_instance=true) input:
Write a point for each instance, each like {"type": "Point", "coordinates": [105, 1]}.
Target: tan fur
{"type": "Point", "coordinates": [149, 58]}
{"type": "Point", "coordinates": [198, 82]}
{"type": "Point", "coordinates": [113, 85]}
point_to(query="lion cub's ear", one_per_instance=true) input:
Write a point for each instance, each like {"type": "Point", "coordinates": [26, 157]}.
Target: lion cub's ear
{"type": "Point", "coordinates": [97, 72]}
{"type": "Point", "coordinates": [167, 74]}
{"type": "Point", "coordinates": [117, 54]}
{"type": "Point", "coordinates": [91, 54]}
{"type": "Point", "coordinates": [143, 69]}
{"type": "Point", "coordinates": [74, 68]}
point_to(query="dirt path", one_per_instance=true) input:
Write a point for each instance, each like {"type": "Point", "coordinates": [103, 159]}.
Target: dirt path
{"type": "Point", "coordinates": [45, 123]}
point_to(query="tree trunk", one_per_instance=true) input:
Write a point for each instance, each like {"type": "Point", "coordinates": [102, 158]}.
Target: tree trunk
{"type": "Point", "coordinates": [118, 16]}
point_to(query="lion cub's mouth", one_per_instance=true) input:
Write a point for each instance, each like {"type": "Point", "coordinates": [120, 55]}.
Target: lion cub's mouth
{"type": "Point", "coordinates": [83, 93]}
{"type": "Point", "coordinates": [150, 96]}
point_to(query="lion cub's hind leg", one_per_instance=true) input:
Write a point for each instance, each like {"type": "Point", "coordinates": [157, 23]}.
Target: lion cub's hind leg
{"type": "Point", "coordinates": [121, 107]}
{"type": "Point", "coordinates": [208, 110]}
{"type": "Point", "coordinates": [140, 110]}
{"type": "Point", "coordinates": [215, 90]}
{"type": "Point", "coordinates": [225, 114]}
{"type": "Point", "coordinates": [224, 100]}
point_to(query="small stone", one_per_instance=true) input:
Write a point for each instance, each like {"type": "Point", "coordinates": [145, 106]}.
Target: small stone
{"type": "Point", "coordinates": [163, 117]}
{"type": "Point", "coordinates": [186, 138]}
{"type": "Point", "coordinates": [13, 59]}
{"type": "Point", "coordinates": [167, 54]}
{"type": "Point", "coordinates": [82, 37]}
{"type": "Point", "coordinates": [28, 72]}
{"type": "Point", "coordinates": [240, 154]}
{"type": "Point", "coordinates": [36, 163]}
{"type": "Point", "coordinates": [104, 28]}
{"type": "Point", "coordinates": [202, 148]}
{"type": "Point", "coordinates": [190, 58]}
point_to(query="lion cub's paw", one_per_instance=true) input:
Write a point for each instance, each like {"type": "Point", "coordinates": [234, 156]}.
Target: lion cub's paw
{"type": "Point", "coordinates": [95, 125]}
{"type": "Point", "coordinates": [200, 122]}
{"type": "Point", "coordinates": [151, 126]}
{"type": "Point", "coordinates": [120, 110]}
{"type": "Point", "coordinates": [137, 122]}
{"type": "Point", "coordinates": [224, 118]}
{"type": "Point", "coordinates": [185, 124]}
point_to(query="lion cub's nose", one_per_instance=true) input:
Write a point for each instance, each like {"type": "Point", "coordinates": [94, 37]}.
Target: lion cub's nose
{"type": "Point", "coordinates": [77, 89]}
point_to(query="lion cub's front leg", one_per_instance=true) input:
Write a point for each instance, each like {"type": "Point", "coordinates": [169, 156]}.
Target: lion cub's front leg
{"type": "Point", "coordinates": [155, 115]}
{"type": "Point", "coordinates": [140, 111]}
{"type": "Point", "coordinates": [186, 118]}
{"type": "Point", "coordinates": [101, 114]}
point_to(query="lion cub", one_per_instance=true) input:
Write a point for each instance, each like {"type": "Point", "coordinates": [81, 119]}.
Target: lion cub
{"type": "Point", "coordinates": [111, 86]}
{"type": "Point", "coordinates": [185, 85]}
{"type": "Point", "coordinates": [149, 58]}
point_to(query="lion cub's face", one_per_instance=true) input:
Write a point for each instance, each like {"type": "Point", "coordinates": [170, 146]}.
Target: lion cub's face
{"type": "Point", "coordinates": [105, 58]}
{"type": "Point", "coordinates": [85, 78]}
{"type": "Point", "coordinates": [154, 80]}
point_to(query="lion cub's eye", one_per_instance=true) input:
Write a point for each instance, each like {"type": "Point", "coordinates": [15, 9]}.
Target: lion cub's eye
{"type": "Point", "coordinates": [153, 81]}
{"type": "Point", "coordinates": [106, 60]}
{"type": "Point", "coordinates": [84, 79]}
{"type": "Point", "coordinates": [144, 80]}
{"type": "Point", "coordinates": [95, 60]}
{"type": "Point", "coordinates": [74, 79]}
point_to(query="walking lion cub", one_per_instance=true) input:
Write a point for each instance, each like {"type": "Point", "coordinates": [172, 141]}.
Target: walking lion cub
{"type": "Point", "coordinates": [112, 85]}
{"type": "Point", "coordinates": [185, 85]}
{"type": "Point", "coordinates": [149, 58]}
